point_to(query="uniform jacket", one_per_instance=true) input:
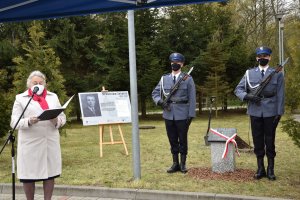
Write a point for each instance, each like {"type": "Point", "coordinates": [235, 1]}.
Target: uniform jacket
{"type": "Point", "coordinates": [38, 153]}
{"type": "Point", "coordinates": [269, 106]}
{"type": "Point", "coordinates": [186, 92]}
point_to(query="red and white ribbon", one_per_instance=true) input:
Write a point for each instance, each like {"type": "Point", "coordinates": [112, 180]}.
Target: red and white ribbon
{"type": "Point", "coordinates": [228, 140]}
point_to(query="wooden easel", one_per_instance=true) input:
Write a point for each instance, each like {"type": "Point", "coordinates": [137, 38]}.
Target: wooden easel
{"type": "Point", "coordinates": [101, 131]}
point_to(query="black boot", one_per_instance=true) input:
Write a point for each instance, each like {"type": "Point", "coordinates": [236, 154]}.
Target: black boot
{"type": "Point", "coordinates": [175, 167]}
{"type": "Point", "coordinates": [183, 168]}
{"type": "Point", "coordinates": [270, 170]}
{"type": "Point", "coordinates": [261, 172]}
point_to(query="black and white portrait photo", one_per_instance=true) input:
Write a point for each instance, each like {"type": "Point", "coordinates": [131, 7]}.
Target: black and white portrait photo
{"type": "Point", "coordinates": [90, 105]}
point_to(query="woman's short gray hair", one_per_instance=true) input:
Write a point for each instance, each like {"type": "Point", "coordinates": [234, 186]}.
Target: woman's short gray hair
{"type": "Point", "coordinates": [35, 73]}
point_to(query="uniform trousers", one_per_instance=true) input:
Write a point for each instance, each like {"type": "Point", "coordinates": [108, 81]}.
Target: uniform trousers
{"type": "Point", "coordinates": [177, 133]}
{"type": "Point", "coordinates": [263, 133]}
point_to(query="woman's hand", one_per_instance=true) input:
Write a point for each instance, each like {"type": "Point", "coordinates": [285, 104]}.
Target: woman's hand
{"type": "Point", "coordinates": [54, 121]}
{"type": "Point", "coordinates": [33, 120]}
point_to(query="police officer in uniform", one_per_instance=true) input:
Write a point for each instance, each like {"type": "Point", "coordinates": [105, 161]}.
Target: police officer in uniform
{"type": "Point", "coordinates": [265, 110]}
{"type": "Point", "coordinates": [179, 112]}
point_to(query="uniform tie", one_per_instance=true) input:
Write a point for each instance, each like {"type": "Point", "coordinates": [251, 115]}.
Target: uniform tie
{"type": "Point", "coordinates": [262, 73]}
{"type": "Point", "coordinates": [174, 79]}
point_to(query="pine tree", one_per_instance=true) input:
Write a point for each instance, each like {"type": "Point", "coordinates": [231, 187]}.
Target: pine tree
{"type": "Point", "coordinates": [4, 104]}
{"type": "Point", "coordinates": [216, 83]}
{"type": "Point", "coordinates": [148, 69]}
{"type": "Point", "coordinates": [39, 56]}
{"type": "Point", "coordinates": [10, 35]}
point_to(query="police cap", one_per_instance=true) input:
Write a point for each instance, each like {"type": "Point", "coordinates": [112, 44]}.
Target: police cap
{"type": "Point", "coordinates": [176, 57]}
{"type": "Point", "coordinates": [263, 50]}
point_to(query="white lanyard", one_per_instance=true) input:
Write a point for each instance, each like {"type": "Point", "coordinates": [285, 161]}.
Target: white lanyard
{"type": "Point", "coordinates": [162, 87]}
{"type": "Point", "coordinates": [248, 81]}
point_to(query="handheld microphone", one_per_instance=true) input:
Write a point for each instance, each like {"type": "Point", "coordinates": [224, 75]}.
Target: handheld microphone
{"type": "Point", "coordinates": [35, 90]}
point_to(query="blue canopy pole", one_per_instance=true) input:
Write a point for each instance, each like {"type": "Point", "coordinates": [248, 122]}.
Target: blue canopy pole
{"type": "Point", "coordinates": [134, 98]}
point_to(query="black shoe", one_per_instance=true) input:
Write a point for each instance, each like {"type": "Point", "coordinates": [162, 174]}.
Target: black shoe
{"type": "Point", "coordinates": [183, 168]}
{"type": "Point", "coordinates": [261, 172]}
{"type": "Point", "coordinates": [270, 170]}
{"type": "Point", "coordinates": [270, 174]}
{"type": "Point", "coordinates": [174, 168]}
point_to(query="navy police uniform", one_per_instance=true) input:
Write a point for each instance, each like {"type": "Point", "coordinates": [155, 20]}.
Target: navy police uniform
{"type": "Point", "coordinates": [265, 111]}
{"type": "Point", "coordinates": [178, 115]}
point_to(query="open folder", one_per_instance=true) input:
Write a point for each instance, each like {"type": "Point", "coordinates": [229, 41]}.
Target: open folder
{"type": "Point", "coordinates": [54, 112]}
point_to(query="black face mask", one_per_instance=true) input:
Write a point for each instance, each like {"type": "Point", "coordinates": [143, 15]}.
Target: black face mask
{"type": "Point", "coordinates": [263, 61]}
{"type": "Point", "coordinates": [175, 66]}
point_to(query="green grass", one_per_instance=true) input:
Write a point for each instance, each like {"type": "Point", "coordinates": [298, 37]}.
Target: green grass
{"type": "Point", "coordinates": [82, 164]}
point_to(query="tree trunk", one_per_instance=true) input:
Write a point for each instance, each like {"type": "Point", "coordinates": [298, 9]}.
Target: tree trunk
{"type": "Point", "coordinates": [78, 114]}
{"type": "Point", "coordinates": [200, 102]}
{"type": "Point", "coordinates": [77, 107]}
{"type": "Point", "coordinates": [225, 103]}
{"type": "Point", "coordinates": [143, 107]}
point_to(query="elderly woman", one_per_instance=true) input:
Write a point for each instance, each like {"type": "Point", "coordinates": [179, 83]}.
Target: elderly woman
{"type": "Point", "coordinates": [39, 154]}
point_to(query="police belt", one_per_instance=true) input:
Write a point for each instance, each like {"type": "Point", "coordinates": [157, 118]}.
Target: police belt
{"type": "Point", "coordinates": [178, 102]}
{"type": "Point", "coordinates": [267, 94]}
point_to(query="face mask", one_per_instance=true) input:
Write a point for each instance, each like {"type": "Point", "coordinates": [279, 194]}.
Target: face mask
{"type": "Point", "coordinates": [41, 89]}
{"type": "Point", "coordinates": [175, 66]}
{"type": "Point", "coordinates": [263, 61]}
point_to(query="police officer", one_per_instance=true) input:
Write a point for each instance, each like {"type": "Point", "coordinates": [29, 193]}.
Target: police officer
{"type": "Point", "coordinates": [179, 112]}
{"type": "Point", "coordinates": [265, 110]}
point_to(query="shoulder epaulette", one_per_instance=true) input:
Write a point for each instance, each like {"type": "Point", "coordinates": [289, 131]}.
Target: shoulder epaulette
{"type": "Point", "coordinates": [252, 67]}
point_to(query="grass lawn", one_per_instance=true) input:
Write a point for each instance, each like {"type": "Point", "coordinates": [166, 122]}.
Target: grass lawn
{"type": "Point", "coordinates": [82, 164]}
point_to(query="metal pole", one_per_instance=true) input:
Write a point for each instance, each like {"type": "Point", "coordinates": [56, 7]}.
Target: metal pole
{"type": "Point", "coordinates": [279, 42]}
{"type": "Point", "coordinates": [282, 47]}
{"type": "Point", "coordinates": [134, 98]}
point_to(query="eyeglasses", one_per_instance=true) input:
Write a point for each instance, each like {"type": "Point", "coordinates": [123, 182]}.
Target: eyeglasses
{"type": "Point", "coordinates": [263, 55]}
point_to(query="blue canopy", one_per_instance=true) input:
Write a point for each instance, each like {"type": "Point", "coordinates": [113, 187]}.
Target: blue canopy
{"type": "Point", "coordinates": [20, 10]}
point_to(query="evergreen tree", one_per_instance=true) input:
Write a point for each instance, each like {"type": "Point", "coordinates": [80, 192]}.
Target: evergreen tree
{"type": "Point", "coordinates": [184, 29]}
{"type": "Point", "coordinates": [113, 51]}
{"type": "Point", "coordinates": [216, 83]}
{"type": "Point", "coordinates": [10, 34]}
{"type": "Point", "coordinates": [292, 77]}
{"type": "Point", "coordinates": [75, 42]}
{"type": "Point", "coordinates": [148, 68]}
{"type": "Point", "coordinates": [39, 56]}
{"type": "Point", "coordinates": [5, 105]}
{"type": "Point", "coordinates": [292, 69]}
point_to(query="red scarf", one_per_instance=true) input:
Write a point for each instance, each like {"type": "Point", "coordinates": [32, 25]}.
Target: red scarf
{"type": "Point", "coordinates": [40, 99]}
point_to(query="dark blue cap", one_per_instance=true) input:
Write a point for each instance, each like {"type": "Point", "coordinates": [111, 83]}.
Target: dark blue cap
{"type": "Point", "coordinates": [263, 50]}
{"type": "Point", "coordinates": [176, 57]}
